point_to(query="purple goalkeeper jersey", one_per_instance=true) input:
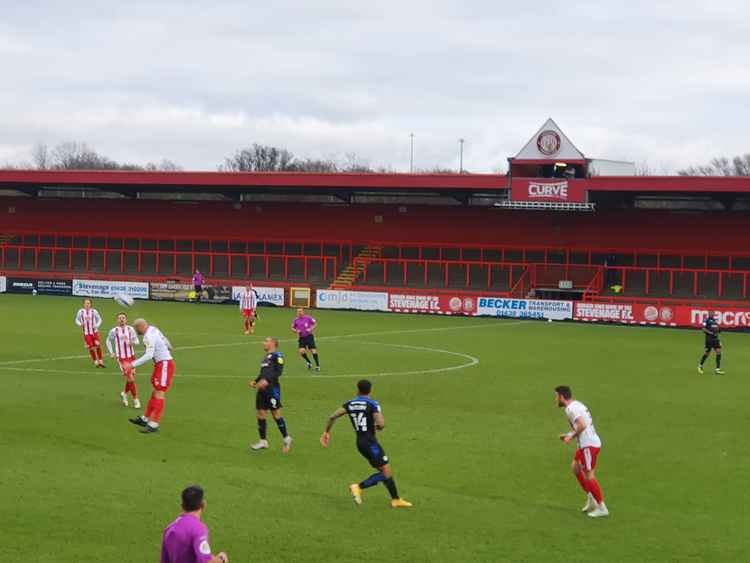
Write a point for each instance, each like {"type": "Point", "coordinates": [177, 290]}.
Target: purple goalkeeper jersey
{"type": "Point", "coordinates": [304, 325]}
{"type": "Point", "coordinates": [186, 541]}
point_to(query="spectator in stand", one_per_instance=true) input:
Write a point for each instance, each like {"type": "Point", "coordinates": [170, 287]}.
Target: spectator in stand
{"type": "Point", "coordinates": [198, 284]}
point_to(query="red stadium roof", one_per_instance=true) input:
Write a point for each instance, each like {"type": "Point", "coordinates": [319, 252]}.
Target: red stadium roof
{"type": "Point", "coordinates": [435, 183]}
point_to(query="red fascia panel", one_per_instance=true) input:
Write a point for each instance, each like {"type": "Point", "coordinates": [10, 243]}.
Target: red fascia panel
{"type": "Point", "coordinates": [669, 184]}
{"type": "Point", "coordinates": [448, 182]}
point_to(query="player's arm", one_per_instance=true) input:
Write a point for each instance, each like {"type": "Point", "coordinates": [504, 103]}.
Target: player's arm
{"type": "Point", "coordinates": [314, 325]}
{"type": "Point", "coordinates": [134, 337]}
{"type": "Point", "coordinates": [97, 320]}
{"type": "Point", "coordinates": [147, 355]}
{"type": "Point", "coordinates": [326, 436]}
{"type": "Point", "coordinates": [79, 319]}
{"type": "Point", "coordinates": [379, 420]}
{"type": "Point", "coordinates": [202, 551]}
{"type": "Point", "coordinates": [110, 339]}
{"type": "Point", "coordinates": [578, 427]}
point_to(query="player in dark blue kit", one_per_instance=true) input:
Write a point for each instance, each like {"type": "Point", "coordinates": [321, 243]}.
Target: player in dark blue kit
{"type": "Point", "coordinates": [711, 330]}
{"type": "Point", "coordinates": [268, 396]}
{"type": "Point", "coordinates": [366, 418]}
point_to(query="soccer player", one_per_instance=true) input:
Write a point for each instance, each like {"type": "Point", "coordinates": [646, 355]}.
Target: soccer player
{"type": "Point", "coordinates": [186, 539]}
{"type": "Point", "coordinates": [198, 285]}
{"type": "Point", "coordinates": [303, 326]}
{"type": "Point", "coordinates": [711, 331]}
{"type": "Point", "coordinates": [158, 349]}
{"type": "Point", "coordinates": [121, 342]}
{"type": "Point", "coordinates": [268, 395]}
{"type": "Point", "coordinates": [366, 418]}
{"type": "Point", "coordinates": [589, 444]}
{"type": "Point", "coordinates": [90, 320]}
{"type": "Point", "coordinates": [248, 305]}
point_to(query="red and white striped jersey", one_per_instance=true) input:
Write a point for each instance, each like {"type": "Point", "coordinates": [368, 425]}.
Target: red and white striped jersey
{"type": "Point", "coordinates": [248, 300]}
{"type": "Point", "coordinates": [157, 347]}
{"type": "Point", "coordinates": [121, 342]}
{"type": "Point", "coordinates": [89, 320]}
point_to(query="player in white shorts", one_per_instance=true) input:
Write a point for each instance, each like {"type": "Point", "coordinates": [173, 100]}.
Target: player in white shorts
{"type": "Point", "coordinates": [589, 445]}
{"type": "Point", "coordinates": [121, 342]}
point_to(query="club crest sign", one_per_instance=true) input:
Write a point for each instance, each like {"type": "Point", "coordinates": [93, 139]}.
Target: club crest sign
{"type": "Point", "coordinates": [548, 142]}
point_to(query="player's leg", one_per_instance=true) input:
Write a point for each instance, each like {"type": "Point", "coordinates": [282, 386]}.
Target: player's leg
{"type": "Point", "coordinates": [704, 357]}
{"type": "Point", "coordinates": [316, 358]}
{"type": "Point", "coordinates": [577, 467]}
{"type": "Point", "coordinates": [589, 466]}
{"type": "Point", "coordinates": [252, 322]}
{"type": "Point", "coordinates": [154, 410]}
{"type": "Point", "coordinates": [717, 350]}
{"type": "Point", "coordinates": [124, 394]}
{"type": "Point", "coordinates": [278, 416]}
{"type": "Point", "coordinates": [303, 355]}
{"type": "Point", "coordinates": [261, 414]}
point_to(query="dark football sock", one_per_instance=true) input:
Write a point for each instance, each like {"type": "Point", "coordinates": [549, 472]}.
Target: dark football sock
{"type": "Point", "coordinates": [262, 428]}
{"type": "Point", "coordinates": [703, 359]}
{"type": "Point", "coordinates": [304, 357]}
{"type": "Point", "coordinates": [281, 423]}
{"type": "Point", "coordinates": [390, 484]}
{"type": "Point", "coordinates": [317, 361]}
{"type": "Point", "coordinates": [718, 361]}
{"type": "Point", "coordinates": [372, 480]}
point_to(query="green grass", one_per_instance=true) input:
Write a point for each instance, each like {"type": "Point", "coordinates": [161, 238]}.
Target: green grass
{"type": "Point", "coordinates": [474, 448]}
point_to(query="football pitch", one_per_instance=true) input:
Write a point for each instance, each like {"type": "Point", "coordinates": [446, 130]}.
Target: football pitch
{"type": "Point", "coordinates": [471, 431]}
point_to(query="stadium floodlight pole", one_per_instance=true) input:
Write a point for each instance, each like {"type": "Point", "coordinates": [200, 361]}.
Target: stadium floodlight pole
{"type": "Point", "coordinates": [411, 154]}
{"type": "Point", "coordinates": [461, 156]}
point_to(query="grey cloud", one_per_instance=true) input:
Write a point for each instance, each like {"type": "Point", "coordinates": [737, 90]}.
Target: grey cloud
{"type": "Point", "coordinates": [191, 81]}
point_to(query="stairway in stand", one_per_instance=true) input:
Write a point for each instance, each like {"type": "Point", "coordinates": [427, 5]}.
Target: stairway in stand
{"type": "Point", "coordinates": [350, 273]}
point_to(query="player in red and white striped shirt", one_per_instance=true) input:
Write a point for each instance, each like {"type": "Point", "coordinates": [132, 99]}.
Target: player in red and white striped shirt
{"type": "Point", "coordinates": [248, 305]}
{"type": "Point", "coordinates": [121, 343]}
{"type": "Point", "coordinates": [90, 320]}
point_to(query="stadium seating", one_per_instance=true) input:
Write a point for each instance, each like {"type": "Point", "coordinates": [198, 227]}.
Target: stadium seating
{"type": "Point", "coordinates": [483, 249]}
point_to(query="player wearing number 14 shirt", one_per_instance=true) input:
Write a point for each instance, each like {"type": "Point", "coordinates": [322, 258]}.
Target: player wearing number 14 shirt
{"type": "Point", "coordinates": [366, 417]}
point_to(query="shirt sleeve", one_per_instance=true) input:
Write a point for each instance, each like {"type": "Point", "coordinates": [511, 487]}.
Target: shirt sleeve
{"type": "Point", "coordinates": [110, 338]}
{"type": "Point", "coordinates": [134, 336]}
{"type": "Point", "coordinates": [97, 319]}
{"type": "Point", "coordinates": [202, 548]}
{"type": "Point", "coordinates": [79, 321]}
{"type": "Point", "coordinates": [148, 354]}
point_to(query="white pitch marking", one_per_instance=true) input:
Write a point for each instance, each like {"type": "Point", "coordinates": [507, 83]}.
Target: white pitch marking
{"type": "Point", "coordinates": [471, 361]}
{"type": "Point", "coordinates": [230, 344]}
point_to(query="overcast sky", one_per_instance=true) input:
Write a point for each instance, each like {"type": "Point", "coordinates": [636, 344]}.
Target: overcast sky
{"type": "Point", "coordinates": [663, 82]}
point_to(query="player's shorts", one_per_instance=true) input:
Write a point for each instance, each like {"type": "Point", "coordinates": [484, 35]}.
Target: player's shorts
{"type": "Point", "coordinates": [712, 343]}
{"type": "Point", "coordinates": [161, 378]}
{"type": "Point", "coordinates": [372, 452]}
{"type": "Point", "coordinates": [268, 400]}
{"type": "Point", "coordinates": [121, 361]}
{"type": "Point", "coordinates": [307, 341]}
{"type": "Point", "coordinates": [92, 340]}
{"type": "Point", "coordinates": [586, 457]}
{"type": "Point", "coordinates": [248, 313]}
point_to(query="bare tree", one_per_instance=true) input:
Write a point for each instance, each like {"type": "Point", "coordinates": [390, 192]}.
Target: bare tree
{"type": "Point", "coordinates": [78, 156]}
{"type": "Point", "coordinates": [40, 156]}
{"type": "Point", "coordinates": [259, 158]}
{"type": "Point", "coordinates": [164, 165]}
{"type": "Point", "coordinates": [720, 166]}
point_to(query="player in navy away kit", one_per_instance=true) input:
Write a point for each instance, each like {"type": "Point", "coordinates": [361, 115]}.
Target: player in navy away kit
{"type": "Point", "coordinates": [711, 330]}
{"type": "Point", "coordinates": [366, 418]}
{"type": "Point", "coordinates": [268, 396]}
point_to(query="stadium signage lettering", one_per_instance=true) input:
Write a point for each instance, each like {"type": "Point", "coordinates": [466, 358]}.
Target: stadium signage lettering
{"type": "Point", "coordinates": [421, 303]}
{"type": "Point", "coordinates": [525, 308]}
{"type": "Point", "coordinates": [104, 288]}
{"type": "Point", "coordinates": [356, 300]}
{"type": "Point", "coordinates": [557, 190]}
{"type": "Point", "coordinates": [726, 318]}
